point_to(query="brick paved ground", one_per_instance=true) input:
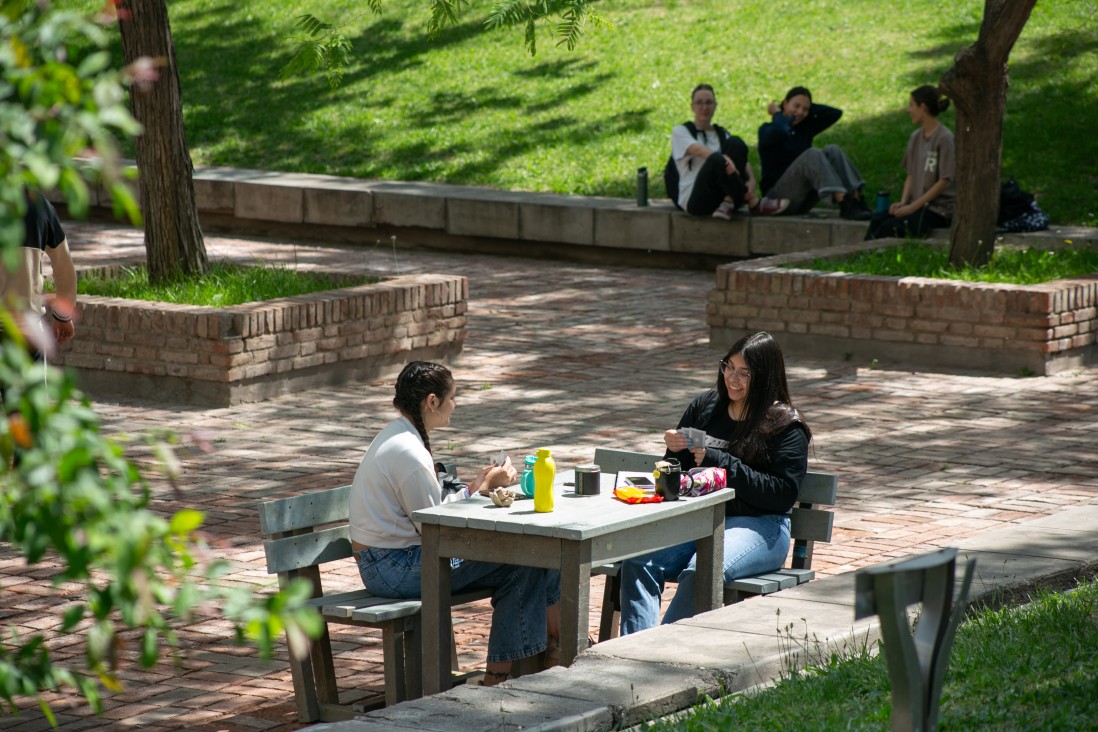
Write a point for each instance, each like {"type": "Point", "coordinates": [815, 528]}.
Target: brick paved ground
{"type": "Point", "coordinates": [567, 356]}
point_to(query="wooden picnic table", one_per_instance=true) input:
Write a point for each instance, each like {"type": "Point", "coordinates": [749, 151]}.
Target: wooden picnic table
{"type": "Point", "coordinates": [582, 532]}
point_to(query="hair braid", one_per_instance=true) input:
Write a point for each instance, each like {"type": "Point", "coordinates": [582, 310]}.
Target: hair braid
{"type": "Point", "coordinates": [417, 381]}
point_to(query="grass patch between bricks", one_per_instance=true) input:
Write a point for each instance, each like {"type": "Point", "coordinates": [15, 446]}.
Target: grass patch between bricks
{"type": "Point", "coordinates": [1007, 265]}
{"type": "Point", "coordinates": [224, 285]}
{"type": "Point", "coordinates": [1021, 668]}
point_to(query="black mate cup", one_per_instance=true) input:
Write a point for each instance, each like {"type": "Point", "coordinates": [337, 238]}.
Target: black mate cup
{"type": "Point", "coordinates": [667, 484]}
{"type": "Point", "coordinates": [588, 478]}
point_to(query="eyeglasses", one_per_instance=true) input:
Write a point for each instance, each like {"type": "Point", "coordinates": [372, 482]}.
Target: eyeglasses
{"type": "Point", "coordinates": [705, 102]}
{"type": "Point", "coordinates": [741, 375]}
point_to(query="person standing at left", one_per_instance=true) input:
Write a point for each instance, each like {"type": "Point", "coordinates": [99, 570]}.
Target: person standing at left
{"type": "Point", "coordinates": [21, 288]}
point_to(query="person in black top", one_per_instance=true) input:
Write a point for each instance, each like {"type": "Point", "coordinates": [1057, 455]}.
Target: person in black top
{"type": "Point", "coordinates": [21, 287]}
{"type": "Point", "coordinates": [755, 434]}
{"type": "Point", "coordinates": [793, 169]}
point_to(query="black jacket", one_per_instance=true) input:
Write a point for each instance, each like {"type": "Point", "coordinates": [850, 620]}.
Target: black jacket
{"type": "Point", "coordinates": [780, 143]}
{"type": "Point", "coordinates": [771, 484]}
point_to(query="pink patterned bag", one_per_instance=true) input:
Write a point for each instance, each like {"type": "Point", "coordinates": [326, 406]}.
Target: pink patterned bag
{"type": "Point", "coordinates": [699, 481]}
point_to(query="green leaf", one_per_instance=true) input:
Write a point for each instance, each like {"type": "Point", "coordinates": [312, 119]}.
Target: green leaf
{"type": "Point", "coordinates": [150, 649]}
{"type": "Point", "coordinates": [186, 521]}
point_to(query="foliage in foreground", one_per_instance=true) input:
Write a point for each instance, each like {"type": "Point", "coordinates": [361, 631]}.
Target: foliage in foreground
{"type": "Point", "coordinates": [54, 108]}
{"type": "Point", "coordinates": [73, 503]}
{"type": "Point", "coordinates": [71, 506]}
{"type": "Point", "coordinates": [224, 285]}
{"type": "Point", "coordinates": [919, 259]}
{"type": "Point", "coordinates": [1030, 667]}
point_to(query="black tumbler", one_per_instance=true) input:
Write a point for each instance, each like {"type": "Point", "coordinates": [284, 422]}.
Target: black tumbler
{"type": "Point", "coordinates": [642, 186]}
{"type": "Point", "coordinates": [667, 484]}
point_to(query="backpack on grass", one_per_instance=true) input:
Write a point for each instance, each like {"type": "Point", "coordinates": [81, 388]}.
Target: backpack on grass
{"type": "Point", "coordinates": [1018, 210]}
{"type": "Point", "coordinates": [671, 171]}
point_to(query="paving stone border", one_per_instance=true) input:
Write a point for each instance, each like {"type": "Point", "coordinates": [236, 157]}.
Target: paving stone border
{"type": "Point", "coordinates": [221, 356]}
{"type": "Point", "coordinates": [919, 322]}
{"type": "Point", "coordinates": [626, 681]}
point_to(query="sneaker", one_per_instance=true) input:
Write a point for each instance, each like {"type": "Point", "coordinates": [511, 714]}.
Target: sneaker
{"type": "Point", "coordinates": [854, 209]}
{"type": "Point", "coordinates": [725, 211]}
{"type": "Point", "coordinates": [770, 206]}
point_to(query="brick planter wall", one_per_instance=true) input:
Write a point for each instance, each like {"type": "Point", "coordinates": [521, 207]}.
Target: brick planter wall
{"type": "Point", "coordinates": [222, 356]}
{"type": "Point", "coordinates": [911, 322]}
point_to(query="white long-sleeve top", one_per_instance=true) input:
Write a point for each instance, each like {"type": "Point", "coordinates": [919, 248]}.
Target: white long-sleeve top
{"type": "Point", "coordinates": [395, 478]}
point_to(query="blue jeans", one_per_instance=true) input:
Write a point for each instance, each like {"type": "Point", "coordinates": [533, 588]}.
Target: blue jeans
{"type": "Point", "coordinates": [752, 545]}
{"type": "Point", "coordinates": [519, 598]}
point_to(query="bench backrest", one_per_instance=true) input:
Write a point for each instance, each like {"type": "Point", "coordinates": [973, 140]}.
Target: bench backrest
{"type": "Point", "coordinates": [293, 524]}
{"type": "Point", "coordinates": [612, 461]}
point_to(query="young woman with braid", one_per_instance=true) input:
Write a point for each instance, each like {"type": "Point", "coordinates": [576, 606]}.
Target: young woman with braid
{"type": "Point", "coordinates": [397, 477]}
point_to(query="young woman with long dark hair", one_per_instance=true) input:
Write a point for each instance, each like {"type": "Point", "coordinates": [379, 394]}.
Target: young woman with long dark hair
{"type": "Point", "coordinates": [397, 477]}
{"type": "Point", "coordinates": [792, 168]}
{"type": "Point", "coordinates": [755, 434]}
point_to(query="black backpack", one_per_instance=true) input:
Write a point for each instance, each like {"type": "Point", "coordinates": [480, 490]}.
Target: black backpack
{"type": "Point", "coordinates": [1013, 201]}
{"type": "Point", "coordinates": [671, 171]}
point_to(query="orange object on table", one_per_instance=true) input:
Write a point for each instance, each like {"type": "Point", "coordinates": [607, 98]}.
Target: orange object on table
{"type": "Point", "coordinates": [632, 494]}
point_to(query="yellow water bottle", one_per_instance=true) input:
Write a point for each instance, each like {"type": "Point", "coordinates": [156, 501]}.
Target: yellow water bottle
{"type": "Point", "coordinates": [545, 472]}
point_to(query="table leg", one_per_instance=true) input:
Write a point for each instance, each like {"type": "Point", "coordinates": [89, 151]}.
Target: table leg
{"type": "Point", "coordinates": [709, 573]}
{"type": "Point", "coordinates": [575, 599]}
{"type": "Point", "coordinates": [435, 591]}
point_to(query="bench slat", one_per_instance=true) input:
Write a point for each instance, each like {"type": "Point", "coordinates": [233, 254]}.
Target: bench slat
{"type": "Point", "coordinates": [307, 550]}
{"type": "Point", "coordinates": [754, 585]}
{"type": "Point", "coordinates": [301, 512]}
{"type": "Point", "coordinates": [801, 575]}
{"type": "Point", "coordinates": [810, 524]}
{"type": "Point", "coordinates": [612, 461]}
{"type": "Point", "coordinates": [819, 488]}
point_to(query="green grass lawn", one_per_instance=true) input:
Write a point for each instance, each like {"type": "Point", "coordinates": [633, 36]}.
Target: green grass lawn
{"type": "Point", "coordinates": [1026, 668]}
{"type": "Point", "coordinates": [473, 107]}
{"type": "Point", "coordinates": [918, 259]}
{"type": "Point", "coordinates": [224, 285]}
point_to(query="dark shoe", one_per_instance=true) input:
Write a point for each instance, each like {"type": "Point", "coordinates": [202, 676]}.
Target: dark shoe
{"type": "Point", "coordinates": [854, 209]}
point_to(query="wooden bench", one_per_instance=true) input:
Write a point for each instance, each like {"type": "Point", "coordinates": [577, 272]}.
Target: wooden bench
{"type": "Point", "coordinates": [808, 524]}
{"type": "Point", "coordinates": [306, 532]}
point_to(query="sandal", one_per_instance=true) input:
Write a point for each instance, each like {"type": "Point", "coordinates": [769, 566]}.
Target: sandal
{"type": "Point", "coordinates": [552, 654]}
{"type": "Point", "coordinates": [491, 678]}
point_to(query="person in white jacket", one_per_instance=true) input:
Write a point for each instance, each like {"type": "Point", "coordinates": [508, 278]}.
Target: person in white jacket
{"type": "Point", "coordinates": [396, 477]}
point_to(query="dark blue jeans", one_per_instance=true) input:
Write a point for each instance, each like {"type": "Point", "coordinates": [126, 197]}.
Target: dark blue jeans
{"type": "Point", "coordinates": [519, 599]}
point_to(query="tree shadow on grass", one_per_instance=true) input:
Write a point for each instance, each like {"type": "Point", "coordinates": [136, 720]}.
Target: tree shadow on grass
{"type": "Point", "coordinates": [268, 123]}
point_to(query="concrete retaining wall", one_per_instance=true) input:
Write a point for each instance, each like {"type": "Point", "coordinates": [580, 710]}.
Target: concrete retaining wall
{"type": "Point", "coordinates": [221, 356]}
{"type": "Point", "coordinates": [471, 218]}
{"type": "Point", "coordinates": [913, 322]}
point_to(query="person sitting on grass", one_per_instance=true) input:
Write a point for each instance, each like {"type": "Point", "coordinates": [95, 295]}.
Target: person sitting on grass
{"type": "Point", "coordinates": [714, 177]}
{"type": "Point", "coordinates": [792, 168]}
{"type": "Point", "coordinates": [755, 434]}
{"type": "Point", "coordinates": [927, 199]}
{"type": "Point", "coordinates": [396, 478]}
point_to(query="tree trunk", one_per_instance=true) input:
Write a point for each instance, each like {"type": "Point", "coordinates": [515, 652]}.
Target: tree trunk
{"type": "Point", "coordinates": [977, 84]}
{"type": "Point", "coordinates": [174, 245]}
